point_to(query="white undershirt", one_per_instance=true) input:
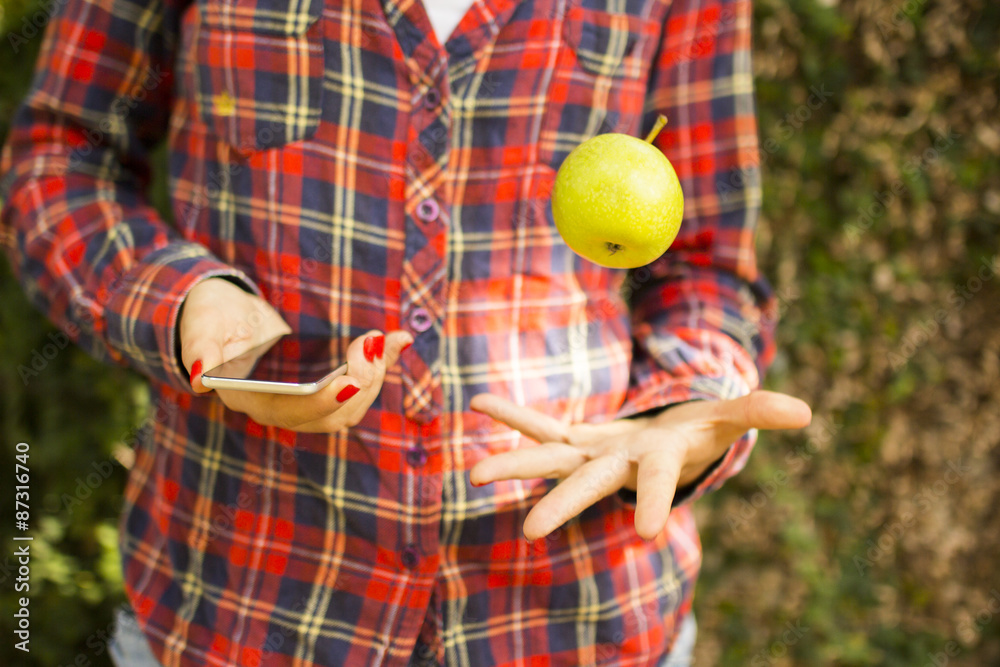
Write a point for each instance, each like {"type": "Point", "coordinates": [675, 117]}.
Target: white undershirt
{"type": "Point", "coordinates": [445, 15]}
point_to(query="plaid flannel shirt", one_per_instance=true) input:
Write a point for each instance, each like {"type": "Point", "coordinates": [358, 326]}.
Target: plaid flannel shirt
{"type": "Point", "coordinates": [337, 159]}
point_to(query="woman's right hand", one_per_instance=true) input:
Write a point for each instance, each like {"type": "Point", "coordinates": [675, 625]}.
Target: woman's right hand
{"type": "Point", "coordinates": [220, 321]}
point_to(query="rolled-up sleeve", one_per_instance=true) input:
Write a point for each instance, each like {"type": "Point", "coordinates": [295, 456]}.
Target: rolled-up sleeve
{"type": "Point", "coordinates": [702, 316]}
{"type": "Point", "coordinates": [80, 233]}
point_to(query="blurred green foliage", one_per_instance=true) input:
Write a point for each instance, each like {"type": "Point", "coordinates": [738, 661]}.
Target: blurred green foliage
{"type": "Point", "coordinates": [76, 414]}
{"type": "Point", "coordinates": [851, 544]}
{"type": "Point", "coordinates": [880, 205]}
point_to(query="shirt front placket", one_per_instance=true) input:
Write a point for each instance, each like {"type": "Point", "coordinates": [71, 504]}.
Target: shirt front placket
{"type": "Point", "coordinates": [424, 269]}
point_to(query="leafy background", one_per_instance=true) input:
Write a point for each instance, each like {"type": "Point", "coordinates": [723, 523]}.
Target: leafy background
{"type": "Point", "coordinates": [872, 539]}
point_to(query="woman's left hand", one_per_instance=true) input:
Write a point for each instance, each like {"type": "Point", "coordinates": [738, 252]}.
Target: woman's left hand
{"type": "Point", "coordinates": [650, 455]}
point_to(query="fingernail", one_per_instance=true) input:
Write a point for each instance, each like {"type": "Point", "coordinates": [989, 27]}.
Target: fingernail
{"type": "Point", "coordinates": [370, 348]}
{"type": "Point", "coordinates": [379, 346]}
{"type": "Point", "coordinates": [406, 347]}
{"type": "Point", "coordinates": [347, 392]}
{"type": "Point", "coordinates": [195, 370]}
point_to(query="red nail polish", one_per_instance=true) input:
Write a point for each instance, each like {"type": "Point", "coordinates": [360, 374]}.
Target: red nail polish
{"type": "Point", "coordinates": [406, 347]}
{"type": "Point", "coordinates": [379, 346]}
{"type": "Point", "coordinates": [195, 370]}
{"type": "Point", "coordinates": [347, 392]}
{"type": "Point", "coordinates": [369, 348]}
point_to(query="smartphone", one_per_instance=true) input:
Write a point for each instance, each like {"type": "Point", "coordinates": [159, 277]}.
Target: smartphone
{"type": "Point", "coordinates": [286, 364]}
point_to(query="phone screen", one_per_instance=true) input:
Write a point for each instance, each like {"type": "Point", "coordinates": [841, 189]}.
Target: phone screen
{"type": "Point", "coordinates": [286, 363]}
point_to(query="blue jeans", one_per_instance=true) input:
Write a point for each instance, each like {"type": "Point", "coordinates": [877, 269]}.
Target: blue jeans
{"type": "Point", "coordinates": [683, 650]}
{"type": "Point", "coordinates": [128, 646]}
{"type": "Point", "coordinates": [680, 654]}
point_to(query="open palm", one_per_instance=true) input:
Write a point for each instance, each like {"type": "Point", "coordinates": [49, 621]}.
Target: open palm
{"type": "Point", "coordinates": [650, 455]}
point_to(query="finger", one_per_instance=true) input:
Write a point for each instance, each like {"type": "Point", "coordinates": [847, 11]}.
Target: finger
{"type": "Point", "coordinates": [396, 343]}
{"type": "Point", "coordinates": [656, 483]}
{"type": "Point", "coordinates": [592, 481]}
{"type": "Point", "coordinates": [345, 416]}
{"type": "Point", "coordinates": [361, 356]}
{"type": "Point", "coordinates": [532, 423]}
{"type": "Point", "coordinates": [548, 460]}
{"type": "Point", "coordinates": [292, 412]}
{"type": "Point", "coordinates": [341, 403]}
{"type": "Point", "coordinates": [596, 437]}
{"type": "Point", "coordinates": [199, 354]}
{"type": "Point", "coordinates": [366, 361]}
{"type": "Point", "coordinates": [764, 410]}
{"type": "Point", "coordinates": [219, 322]}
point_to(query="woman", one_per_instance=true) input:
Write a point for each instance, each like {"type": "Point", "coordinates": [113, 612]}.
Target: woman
{"type": "Point", "coordinates": [338, 170]}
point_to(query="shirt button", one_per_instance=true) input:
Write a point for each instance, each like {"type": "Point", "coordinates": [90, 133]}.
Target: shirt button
{"type": "Point", "coordinates": [416, 456]}
{"type": "Point", "coordinates": [432, 98]}
{"type": "Point", "coordinates": [410, 557]}
{"type": "Point", "coordinates": [420, 320]}
{"type": "Point", "coordinates": [428, 210]}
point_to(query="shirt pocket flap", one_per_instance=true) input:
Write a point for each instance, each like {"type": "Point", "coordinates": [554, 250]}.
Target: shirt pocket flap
{"type": "Point", "coordinates": [602, 39]}
{"type": "Point", "coordinates": [259, 71]}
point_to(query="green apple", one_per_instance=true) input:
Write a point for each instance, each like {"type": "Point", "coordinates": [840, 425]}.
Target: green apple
{"type": "Point", "coordinates": [617, 200]}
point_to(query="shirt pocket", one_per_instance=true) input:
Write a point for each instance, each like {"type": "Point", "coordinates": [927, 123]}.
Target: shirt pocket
{"type": "Point", "coordinates": [599, 84]}
{"type": "Point", "coordinates": [258, 68]}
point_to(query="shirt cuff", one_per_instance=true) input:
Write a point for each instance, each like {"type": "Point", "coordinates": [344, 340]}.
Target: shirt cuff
{"type": "Point", "coordinates": [144, 304]}
{"type": "Point", "coordinates": [668, 392]}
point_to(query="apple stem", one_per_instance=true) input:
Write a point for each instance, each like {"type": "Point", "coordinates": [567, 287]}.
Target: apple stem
{"type": "Point", "coordinates": [660, 122]}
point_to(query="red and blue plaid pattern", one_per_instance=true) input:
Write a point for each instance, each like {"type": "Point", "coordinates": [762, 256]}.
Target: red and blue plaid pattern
{"type": "Point", "coordinates": [335, 158]}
